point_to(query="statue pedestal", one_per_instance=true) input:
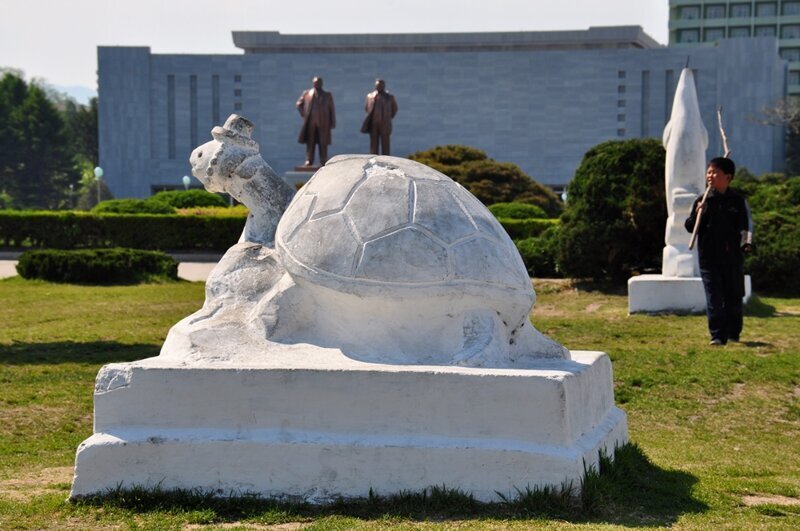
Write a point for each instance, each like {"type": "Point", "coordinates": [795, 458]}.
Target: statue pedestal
{"type": "Point", "coordinates": [657, 294]}
{"type": "Point", "coordinates": [311, 433]}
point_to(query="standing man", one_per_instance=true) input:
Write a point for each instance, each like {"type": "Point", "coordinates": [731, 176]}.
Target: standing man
{"type": "Point", "coordinates": [724, 237]}
{"type": "Point", "coordinates": [381, 108]}
{"type": "Point", "coordinates": [319, 117]}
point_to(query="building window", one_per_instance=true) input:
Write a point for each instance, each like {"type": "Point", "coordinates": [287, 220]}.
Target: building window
{"type": "Point", "coordinates": [714, 34]}
{"type": "Point", "coordinates": [794, 78]}
{"type": "Point", "coordinates": [738, 32]}
{"type": "Point", "coordinates": [621, 132]}
{"type": "Point", "coordinates": [791, 8]}
{"type": "Point", "coordinates": [620, 117]}
{"type": "Point", "coordinates": [791, 54]}
{"type": "Point", "coordinates": [765, 31]}
{"type": "Point", "coordinates": [689, 35]}
{"type": "Point", "coordinates": [790, 32]}
{"type": "Point", "coordinates": [740, 10]}
{"type": "Point", "coordinates": [621, 89]}
{"type": "Point", "coordinates": [621, 74]}
{"type": "Point", "coordinates": [766, 9]}
{"type": "Point", "coordinates": [715, 11]}
{"type": "Point", "coordinates": [237, 106]}
{"type": "Point", "coordinates": [690, 13]}
{"type": "Point", "coordinates": [237, 93]}
{"type": "Point", "coordinates": [621, 103]}
{"type": "Point", "coordinates": [237, 78]}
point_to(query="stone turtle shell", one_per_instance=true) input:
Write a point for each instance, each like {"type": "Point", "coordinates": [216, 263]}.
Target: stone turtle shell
{"type": "Point", "coordinates": [365, 222]}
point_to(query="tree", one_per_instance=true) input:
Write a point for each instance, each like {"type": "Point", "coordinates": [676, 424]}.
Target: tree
{"type": "Point", "coordinates": [487, 179]}
{"type": "Point", "coordinates": [615, 217]}
{"type": "Point", "coordinates": [81, 127]}
{"type": "Point", "coordinates": [35, 162]}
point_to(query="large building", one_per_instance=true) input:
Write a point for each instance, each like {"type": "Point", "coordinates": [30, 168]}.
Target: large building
{"type": "Point", "coordinates": [538, 99]}
{"type": "Point", "coordinates": [693, 22]}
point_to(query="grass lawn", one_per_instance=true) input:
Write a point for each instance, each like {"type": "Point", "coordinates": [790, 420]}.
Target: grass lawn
{"type": "Point", "coordinates": [717, 430]}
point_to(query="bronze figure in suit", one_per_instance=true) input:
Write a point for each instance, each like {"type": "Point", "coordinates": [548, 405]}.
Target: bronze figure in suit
{"type": "Point", "coordinates": [319, 117]}
{"type": "Point", "coordinates": [381, 107]}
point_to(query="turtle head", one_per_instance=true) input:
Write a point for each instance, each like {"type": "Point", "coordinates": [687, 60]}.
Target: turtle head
{"type": "Point", "coordinates": [214, 163]}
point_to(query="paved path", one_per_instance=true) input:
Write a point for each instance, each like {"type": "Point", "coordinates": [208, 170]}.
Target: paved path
{"type": "Point", "coordinates": [193, 271]}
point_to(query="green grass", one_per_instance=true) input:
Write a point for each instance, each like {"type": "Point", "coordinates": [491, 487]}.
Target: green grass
{"type": "Point", "coordinates": [712, 427]}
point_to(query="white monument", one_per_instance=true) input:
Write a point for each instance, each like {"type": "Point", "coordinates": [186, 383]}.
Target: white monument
{"type": "Point", "coordinates": [376, 336]}
{"type": "Point", "coordinates": [678, 288]}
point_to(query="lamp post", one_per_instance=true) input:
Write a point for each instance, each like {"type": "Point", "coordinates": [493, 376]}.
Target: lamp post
{"type": "Point", "coordinates": [186, 181]}
{"type": "Point", "coordinates": [98, 174]}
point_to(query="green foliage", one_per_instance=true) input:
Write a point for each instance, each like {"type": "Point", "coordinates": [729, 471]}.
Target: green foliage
{"type": "Point", "coordinates": [132, 206]}
{"type": "Point", "coordinates": [540, 254]}
{"type": "Point", "coordinates": [35, 161]}
{"type": "Point", "coordinates": [69, 230]}
{"type": "Point", "coordinates": [775, 263]}
{"type": "Point", "coordinates": [97, 266]}
{"type": "Point", "coordinates": [517, 211]}
{"type": "Point", "coordinates": [487, 179]}
{"type": "Point", "coordinates": [189, 198]}
{"type": "Point", "coordinates": [81, 125]}
{"type": "Point", "coordinates": [615, 217]}
{"type": "Point", "coordinates": [519, 229]}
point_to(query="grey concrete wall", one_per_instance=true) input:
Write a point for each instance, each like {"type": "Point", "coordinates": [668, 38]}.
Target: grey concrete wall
{"type": "Point", "coordinates": [540, 109]}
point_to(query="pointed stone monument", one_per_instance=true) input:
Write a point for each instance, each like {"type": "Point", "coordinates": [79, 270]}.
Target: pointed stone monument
{"type": "Point", "coordinates": [678, 288]}
{"type": "Point", "coordinates": [372, 334]}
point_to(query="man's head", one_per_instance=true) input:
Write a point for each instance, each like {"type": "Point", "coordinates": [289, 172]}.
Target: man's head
{"type": "Point", "coordinates": [720, 172]}
{"type": "Point", "coordinates": [317, 82]}
{"type": "Point", "coordinates": [380, 85]}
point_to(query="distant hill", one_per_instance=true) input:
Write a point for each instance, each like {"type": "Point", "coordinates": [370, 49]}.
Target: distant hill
{"type": "Point", "coordinates": [79, 94]}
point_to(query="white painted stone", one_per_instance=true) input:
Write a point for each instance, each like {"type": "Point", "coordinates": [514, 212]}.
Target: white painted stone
{"type": "Point", "coordinates": [377, 336]}
{"type": "Point", "coordinates": [662, 294]}
{"type": "Point", "coordinates": [293, 428]}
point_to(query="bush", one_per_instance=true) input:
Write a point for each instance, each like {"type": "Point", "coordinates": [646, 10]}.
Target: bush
{"type": "Point", "coordinates": [132, 206]}
{"type": "Point", "coordinates": [517, 211]}
{"type": "Point", "coordinates": [775, 262]}
{"type": "Point", "coordinates": [97, 266]}
{"type": "Point", "coordinates": [188, 198]}
{"type": "Point", "coordinates": [540, 254]}
{"type": "Point", "coordinates": [615, 217]}
{"type": "Point", "coordinates": [487, 179]}
{"type": "Point", "coordinates": [519, 229]}
{"type": "Point", "coordinates": [70, 230]}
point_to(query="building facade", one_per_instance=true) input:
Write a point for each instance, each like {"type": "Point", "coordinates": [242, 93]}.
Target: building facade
{"type": "Point", "coordinates": [538, 99]}
{"type": "Point", "coordinates": [698, 22]}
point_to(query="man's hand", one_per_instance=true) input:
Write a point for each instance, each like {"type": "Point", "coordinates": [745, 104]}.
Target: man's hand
{"type": "Point", "coordinates": [747, 248]}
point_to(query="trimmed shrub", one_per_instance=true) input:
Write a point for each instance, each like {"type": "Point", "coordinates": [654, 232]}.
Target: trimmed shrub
{"type": "Point", "coordinates": [487, 179]}
{"type": "Point", "coordinates": [70, 230]}
{"type": "Point", "coordinates": [97, 266]}
{"type": "Point", "coordinates": [188, 198]}
{"type": "Point", "coordinates": [540, 254]}
{"type": "Point", "coordinates": [615, 217]}
{"type": "Point", "coordinates": [520, 229]}
{"type": "Point", "coordinates": [517, 211]}
{"type": "Point", "coordinates": [132, 206]}
{"type": "Point", "coordinates": [775, 261]}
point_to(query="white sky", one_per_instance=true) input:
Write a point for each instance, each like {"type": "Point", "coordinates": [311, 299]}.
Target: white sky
{"type": "Point", "coordinates": [57, 39]}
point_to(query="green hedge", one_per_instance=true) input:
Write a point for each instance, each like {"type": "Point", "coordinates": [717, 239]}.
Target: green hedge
{"type": "Point", "coordinates": [97, 266]}
{"type": "Point", "coordinates": [775, 261]}
{"type": "Point", "coordinates": [520, 229]}
{"type": "Point", "coordinates": [71, 230]}
{"type": "Point", "coordinates": [540, 254]}
{"type": "Point", "coordinates": [132, 206]}
{"type": "Point", "coordinates": [188, 198]}
{"type": "Point", "coordinates": [517, 211]}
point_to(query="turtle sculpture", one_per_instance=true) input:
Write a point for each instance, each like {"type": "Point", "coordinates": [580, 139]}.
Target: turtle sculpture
{"type": "Point", "coordinates": [380, 258]}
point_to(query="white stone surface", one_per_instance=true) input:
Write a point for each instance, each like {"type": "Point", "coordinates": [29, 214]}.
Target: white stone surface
{"type": "Point", "coordinates": [293, 428]}
{"type": "Point", "coordinates": [662, 294]}
{"type": "Point", "coordinates": [685, 141]}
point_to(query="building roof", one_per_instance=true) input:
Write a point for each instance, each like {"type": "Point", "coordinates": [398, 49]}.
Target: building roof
{"type": "Point", "coordinates": [610, 37]}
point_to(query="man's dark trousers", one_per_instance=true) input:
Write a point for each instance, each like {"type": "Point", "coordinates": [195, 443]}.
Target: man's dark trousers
{"type": "Point", "coordinates": [724, 289]}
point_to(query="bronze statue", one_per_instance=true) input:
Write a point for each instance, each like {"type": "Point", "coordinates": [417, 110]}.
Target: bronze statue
{"type": "Point", "coordinates": [381, 108]}
{"type": "Point", "coordinates": [319, 117]}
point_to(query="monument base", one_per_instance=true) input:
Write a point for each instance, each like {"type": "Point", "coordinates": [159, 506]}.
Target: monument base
{"type": "Point", "coordinates": [660, 294]}
{"type": "Point", "coordinates": [316, 434]}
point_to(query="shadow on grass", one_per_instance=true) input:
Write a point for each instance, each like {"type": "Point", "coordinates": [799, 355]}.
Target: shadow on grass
{"type": "Point", "coordinates": [755, 307]}
{"type": "Point", "coordinates": [628, 491]}
{"type": "Point", "coordinates": [94, 352]}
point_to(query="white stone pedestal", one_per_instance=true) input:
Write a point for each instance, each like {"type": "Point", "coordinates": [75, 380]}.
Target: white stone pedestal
{"type": "Point", "coordinates": [319, 433]}
{"type": "Point", "coordinates": [657, 293]}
